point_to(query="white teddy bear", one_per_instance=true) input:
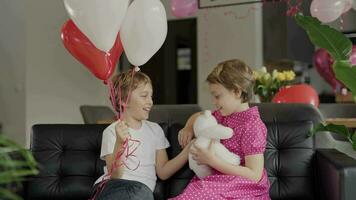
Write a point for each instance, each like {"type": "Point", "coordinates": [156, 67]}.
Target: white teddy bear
{"type": "Point", "coordinates": [205, 129]}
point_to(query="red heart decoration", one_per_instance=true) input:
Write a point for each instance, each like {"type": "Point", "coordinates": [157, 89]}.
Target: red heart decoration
{"type": "Point", "coordinates": [101, 64]}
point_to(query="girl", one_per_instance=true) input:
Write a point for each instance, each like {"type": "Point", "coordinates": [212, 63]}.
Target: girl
{"type": "Point", "coordinates": [231, 85]}
{"type": "Point", "coordinates": [136, 178]}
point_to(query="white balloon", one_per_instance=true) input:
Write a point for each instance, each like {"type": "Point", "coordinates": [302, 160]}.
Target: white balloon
{"type": "Point", "coordinates": [347, 5]}
{"type": "Point", "coordinates": [144, 30]}
{"type": "Point", "coordinates": [99, 20]}
{"type": "Point", "coordinates": [327, 10]}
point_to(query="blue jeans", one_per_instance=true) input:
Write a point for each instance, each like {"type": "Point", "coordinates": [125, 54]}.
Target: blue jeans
{"type": "Point", "coordinates": [124, 190]}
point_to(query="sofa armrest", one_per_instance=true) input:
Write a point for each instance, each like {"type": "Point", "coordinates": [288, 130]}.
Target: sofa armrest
{"type": "Point", "coordinates": [336, 175]}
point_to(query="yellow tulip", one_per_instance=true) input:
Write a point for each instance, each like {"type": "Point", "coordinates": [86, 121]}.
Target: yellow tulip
{"type": "Point", "coordinates": [281, 76]}
{"type": "Point", "coordinates": [263, 70]}
{"type": "Point", "coordinates": [290, 75]}
{"type": "Point", "coordinates": [274, 74]}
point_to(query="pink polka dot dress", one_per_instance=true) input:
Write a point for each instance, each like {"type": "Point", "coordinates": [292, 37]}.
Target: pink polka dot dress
{"type": "Point", "coordinates": [249, 138]}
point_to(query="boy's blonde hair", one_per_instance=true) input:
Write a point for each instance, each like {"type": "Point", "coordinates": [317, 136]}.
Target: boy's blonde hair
{"type": "Point", "coordinates": [126, 81]}
{"type": "Point", "coordinates": [234, 75]}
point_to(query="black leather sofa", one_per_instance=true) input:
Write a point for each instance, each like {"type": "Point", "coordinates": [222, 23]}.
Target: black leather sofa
{"type": "Point", "coordinates": [68, 155]}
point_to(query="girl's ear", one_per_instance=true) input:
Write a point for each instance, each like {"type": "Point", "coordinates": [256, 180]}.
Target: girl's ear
{"type": "Point", "coordinates": [237, 93]}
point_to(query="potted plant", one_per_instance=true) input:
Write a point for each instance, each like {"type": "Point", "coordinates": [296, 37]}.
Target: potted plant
{"type": "Point", "coordinates": [268, 84]}
{"type": "Point", "coordinates": [339, 47]}
{"type": "Point", "coordinates": [16, 163]}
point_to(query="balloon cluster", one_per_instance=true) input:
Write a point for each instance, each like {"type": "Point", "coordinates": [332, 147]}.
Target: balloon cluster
{"type": "Point", "coordinates": [329, 10]}
{"type": "Point", "coordinates": [98, 32]}
{"type": "Point", "coordinates": [323, 63]}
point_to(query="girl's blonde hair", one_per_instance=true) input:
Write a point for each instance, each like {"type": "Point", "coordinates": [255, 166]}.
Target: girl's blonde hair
{"type": "Point", "coordinates": [126, 82]}
{"type": "Point", "coordinates": [234, 75]}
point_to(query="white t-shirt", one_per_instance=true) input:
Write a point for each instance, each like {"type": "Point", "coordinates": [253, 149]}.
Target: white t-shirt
{"type": "Point", "coordinates": [151, 137]}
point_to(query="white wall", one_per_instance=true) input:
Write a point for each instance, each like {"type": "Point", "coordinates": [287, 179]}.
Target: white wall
{"type": "Point", "coordinates": [221, 36]}
{"type": "Point", "coordinates": [40, 82]}
{"type": "Point", "coordinates": [12, 69]}
{"type": "Point", "coordinates": [56, 83]}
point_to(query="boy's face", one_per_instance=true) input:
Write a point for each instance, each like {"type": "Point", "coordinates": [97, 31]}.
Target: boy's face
{"type": "Point", "coordinates": [140, 102]}
{"type": "Point", "coordinates": [226, 101]}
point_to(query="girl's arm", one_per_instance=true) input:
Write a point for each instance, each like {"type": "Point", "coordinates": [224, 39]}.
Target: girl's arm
{"type": "Point", "coordinates": [252, 170]}
{"type": "Point", "coordinates": [166, 168]}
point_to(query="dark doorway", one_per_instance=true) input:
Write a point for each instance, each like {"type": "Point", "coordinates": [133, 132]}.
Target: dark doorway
{"type": "Point", "coordinates": [173, 69]}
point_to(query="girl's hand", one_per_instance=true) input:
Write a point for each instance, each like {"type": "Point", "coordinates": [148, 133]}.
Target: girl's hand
{"type": "Point", "coordinates": [185, 135]}
{"type": "Point", "coordinates": [122, 131]}
{"type": "Point", "coordinates": [203, 156]}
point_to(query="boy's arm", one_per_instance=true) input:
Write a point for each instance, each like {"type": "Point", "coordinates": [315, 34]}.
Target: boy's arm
{"type": "Point", "coordinates": [110, 158]}
{"type": "Point", "coordinates": [122, 133]}
{"type": "Point", "coordinates": [166, 168]}
{"type": "Point", "coordinates": [186, 134]}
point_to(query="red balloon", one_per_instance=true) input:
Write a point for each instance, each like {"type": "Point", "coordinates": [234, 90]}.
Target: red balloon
{"type": "Point", "coordinates": [323, 63]}
{"type": "Point", "coordinates": [101, 64]}
{"type": "Point", "coordinates": [301, 93]}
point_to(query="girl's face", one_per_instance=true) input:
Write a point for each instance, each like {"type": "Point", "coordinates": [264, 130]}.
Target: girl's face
{"type": "Point", "coordinates": [226, 101]}
{"type": "Point", "coordinates": [140, 102]}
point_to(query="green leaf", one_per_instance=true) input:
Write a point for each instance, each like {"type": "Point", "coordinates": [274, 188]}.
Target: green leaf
{"type": "Point", "coordinates": [16, 163]}
{"type": "Point", "coordinates": [338, 45]}
{"type": "Point", "coordinates": [353, 137]}
{"type": "Point", "coordinates": [339, 129]}
{"type": "Point", "coordinates": [318, 128]}
{"type": "Point", "coordinates": [7, 194]}
{"type": "Point", "coordinates": [346, 73]}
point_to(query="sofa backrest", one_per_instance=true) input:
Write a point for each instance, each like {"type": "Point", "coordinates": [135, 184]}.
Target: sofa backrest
{"type": "Point", "coordinates": [289, 155]}
{"type": "Point", "coordinates": [68, 157]}
{"type": "Point", "coordinates": [69, 154]}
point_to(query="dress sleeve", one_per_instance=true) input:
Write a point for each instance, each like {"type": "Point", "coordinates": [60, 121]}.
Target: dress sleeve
{"type": "Point", "coordinates": [254, 138]}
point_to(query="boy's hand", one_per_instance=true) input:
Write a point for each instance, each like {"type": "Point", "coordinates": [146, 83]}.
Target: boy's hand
{"type": "Point", "coordinates": [185, 135]}
{"type": "Point", "coordinates": [122, 131]}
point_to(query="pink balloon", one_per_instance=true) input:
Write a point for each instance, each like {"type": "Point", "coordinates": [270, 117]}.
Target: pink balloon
{"type": "Point", "coordinates": [184, 8]}
{"type": "Point", "coordinates": [353, 55]}
{"type": "Point", "coordinates": [301, 93]}
{"type": "Point", "coordinates": [327, 10]}
{"type": "Point", "coordinates": [323, 62]}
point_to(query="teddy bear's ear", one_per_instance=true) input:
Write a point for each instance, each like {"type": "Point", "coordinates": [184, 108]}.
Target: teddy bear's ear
{"type": "Point", "coordinates": [207, 113]}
